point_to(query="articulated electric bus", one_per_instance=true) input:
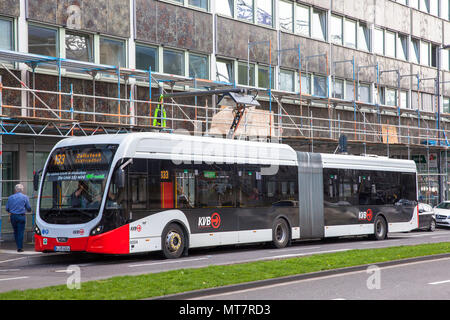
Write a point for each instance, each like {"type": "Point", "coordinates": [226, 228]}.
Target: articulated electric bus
{"type": "Point", "coordinates": [141, 192]}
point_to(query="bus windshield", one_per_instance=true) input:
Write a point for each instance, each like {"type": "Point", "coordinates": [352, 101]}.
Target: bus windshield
{"type": "Point", "coordinates": [74, 183]}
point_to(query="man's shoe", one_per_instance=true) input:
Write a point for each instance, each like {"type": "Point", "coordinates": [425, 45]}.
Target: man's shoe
{"type": "Point", "coordinates": [19, 250]}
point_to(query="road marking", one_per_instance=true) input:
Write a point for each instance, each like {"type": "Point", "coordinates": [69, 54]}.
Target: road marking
{"type": "Point", "coordinates": [17, 278]}
{"type": "Point", "coordinates": [293, 249]}
{"type": "Point", "coordinates": [439, 282]}
{"type": "Point", "coordinates": [304, 254]}
{"type": "Point", "coordinates": [21, 253]}
{"type": "Point", "coordinates": [437, 237]}
{"type": "Point", "coordinates": [9, 270]}
{"type": "Point", "coordinates": [165, 262]}
{"type": "Point", "coordinates": [9, 260]}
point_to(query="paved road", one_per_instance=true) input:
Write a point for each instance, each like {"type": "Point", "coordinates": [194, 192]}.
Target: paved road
{"type": "Point", "coordinates": [425, 280]}
{"type": "Point", "coordinates": [33, 270]}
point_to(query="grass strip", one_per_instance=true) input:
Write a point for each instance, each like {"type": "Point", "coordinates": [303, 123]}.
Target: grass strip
{"type": "Point", "coordinates": [182, 280]}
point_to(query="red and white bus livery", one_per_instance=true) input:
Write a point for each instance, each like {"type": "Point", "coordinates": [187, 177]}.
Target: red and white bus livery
{"type": "Point", "coordinates": [141, 192]}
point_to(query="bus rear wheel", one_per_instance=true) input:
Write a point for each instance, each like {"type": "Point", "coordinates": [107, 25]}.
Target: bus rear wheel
{"type": "Point", "coordinates": [380, 228]}
{"type": "Point", "coordinates": [280, 233]}
{"type": "Point", "coordinates": [173, 241]}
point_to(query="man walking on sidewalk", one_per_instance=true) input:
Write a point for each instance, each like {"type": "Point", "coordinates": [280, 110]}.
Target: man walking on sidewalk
{"type": "Point", "coordinates": [17, 205]}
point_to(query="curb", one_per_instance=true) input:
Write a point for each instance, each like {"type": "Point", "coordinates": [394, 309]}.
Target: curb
{"type": "Point", "coordinates": [268, 282]}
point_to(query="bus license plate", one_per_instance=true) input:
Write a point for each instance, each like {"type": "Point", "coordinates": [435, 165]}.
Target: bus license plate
{"type": "Point", "coordinates": [62, 248]}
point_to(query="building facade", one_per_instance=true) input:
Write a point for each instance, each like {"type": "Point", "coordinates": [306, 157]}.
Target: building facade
{"type": "Point", "coordinates": [368, 69]}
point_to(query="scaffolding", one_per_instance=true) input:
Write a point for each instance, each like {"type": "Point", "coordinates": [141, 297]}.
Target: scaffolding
{"type": "Point", "coordinates": [191, 104]}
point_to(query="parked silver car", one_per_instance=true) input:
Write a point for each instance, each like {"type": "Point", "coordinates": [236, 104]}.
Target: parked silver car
{"type": "Point", "coordinates": [442, 211]}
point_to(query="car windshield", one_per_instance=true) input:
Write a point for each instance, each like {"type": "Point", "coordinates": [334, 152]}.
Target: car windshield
{"type": "Point", "coordinates": [443, 205]}
{"type": "Point", "coordinates": [74, 183]}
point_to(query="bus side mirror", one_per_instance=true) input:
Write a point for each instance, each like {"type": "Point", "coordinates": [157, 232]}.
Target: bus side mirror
{"type": "Point", "coordinates": [36, 180]}
{"type": "Point", "coordinates": [120, 178]}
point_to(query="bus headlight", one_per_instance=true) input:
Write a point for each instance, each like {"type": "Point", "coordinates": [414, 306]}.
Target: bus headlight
{"type": "Point", "coordinates": [97, 230]}
{"type": "Point", "coordinates": [37, 230]}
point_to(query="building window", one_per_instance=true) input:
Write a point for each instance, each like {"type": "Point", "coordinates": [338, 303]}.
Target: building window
{"type": "Point", "coordinates": [445, 9]}
{"type": "Point", "coordinates": [350, 91]}
{"type": "Point", "coordinates": [199, 3]}
{"type": "Point", "coordinates": [264, 12]}
{"type": "Point", "coordinates": [389, 44]}
{"type": "Point", "coordinates": [225, 7]}
{"type": "Point", "coordinates": [6, 36]}
{"type": "Point", "coordinates": [338, 89]}
{"type": "Point", "coordinates": [79, 47]}
{"type": "Point", "coordinates": [146, 57]}
{"type": "Point", "coordinates": [364, 93]}
{"type": "Point", "coordinates": [350, 33]}
{"type": "Point", "coordinates": [402, 47]}
{"type": "Point", "coordinates": [434, 7]}
{"type": "Point", "coordinates": [306, 83]}
{"type": "Point", "coordinates": [224, 71]}
{"type": "Point", "coordinates": [287, 79]}
{"type": "Point", "coordinates": [320, 86]}
{"type": "Point", "coordinates": [245, 10]}
{"type": "Point", "coordinates": [425, 6]}
{"type": "Point", "coordinates": [445, 59]}
{"type": "Point", "coordinates": [173, 62]}
{"type": "Point", "coordinates": [404, 103]}
{"type": "Point", "coordinates": [363, 37]}
{"type": "Point", "coordinates": [198, 66]}
{"type": "Point", "coordinates": [244, 72]}
{"type": "Point", "coordinates": [319, 24]}
{"type": "Point", "coordinates": [425, 53]}
{"type": "Point", "coordinates": [378, 42]}
{"type": "Point", "coordinates": [336, 29]}
{"type": "Point", "coordinates": [264, 76]}
{"type": "Point", "coordinates": [427, 102]}
{"type": "Point", "coordinates": [43, 41]}
{"type": "Point", "coordinates": [446, 105]}
{"type": "Point", "coordinates": [415, 51]}
{"type": "Point", "coordinates": [433, 57]}
{"type": "Point", "coordinates": [286, 16]}
{"type": "Point", "coordinates": [302, 25]}
{"type": "Point", "coordinates": [112, 52]}
{"type": "Point", "coordinates": [390, 97]}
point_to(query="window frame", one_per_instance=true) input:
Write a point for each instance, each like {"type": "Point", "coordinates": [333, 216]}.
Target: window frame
{"type": "Point", "coordinates": [182, 54]}
{"type": "Point", "coordinates": [12, 39]}
{"type": "Point", "coordinates": [57, 37]}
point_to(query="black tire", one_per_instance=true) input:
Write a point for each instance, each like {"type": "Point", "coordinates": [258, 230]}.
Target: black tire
{"type": "Point", "coordinates": [173, 241]}
{"type": "Point", "coordinates": [380, 228]}
{"type": "Point", "coordinates": [432, 225]}
{"type": "Point", "coordinates": [280, 234]}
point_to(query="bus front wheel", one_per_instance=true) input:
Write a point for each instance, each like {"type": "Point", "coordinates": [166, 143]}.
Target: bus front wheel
{"type": "Point", "coordinates": [280, 233]}
{"type": "Point", "coordinates": [173, 241]}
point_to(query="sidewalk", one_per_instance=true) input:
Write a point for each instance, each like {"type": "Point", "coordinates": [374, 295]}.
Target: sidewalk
{"type": "Point", "coordinates": [9, 257]}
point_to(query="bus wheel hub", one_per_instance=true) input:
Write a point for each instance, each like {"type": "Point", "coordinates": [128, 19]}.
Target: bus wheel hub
{"type": "Point", "coordinates": [173, 241]}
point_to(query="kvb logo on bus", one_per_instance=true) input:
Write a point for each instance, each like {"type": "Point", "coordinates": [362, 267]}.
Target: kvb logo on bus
{"type": "Point", "coordinates": [212, 221]}
{"type": "Point", "coordinates": [366, 215]}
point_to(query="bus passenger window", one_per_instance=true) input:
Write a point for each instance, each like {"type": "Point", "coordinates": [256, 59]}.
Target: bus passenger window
{"type": "Point", "coordinates": [138, 192]}
{"type": "Point", "coordinates": [215, 187]}
{"type": "Point", "coordinates": [185, 181]}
